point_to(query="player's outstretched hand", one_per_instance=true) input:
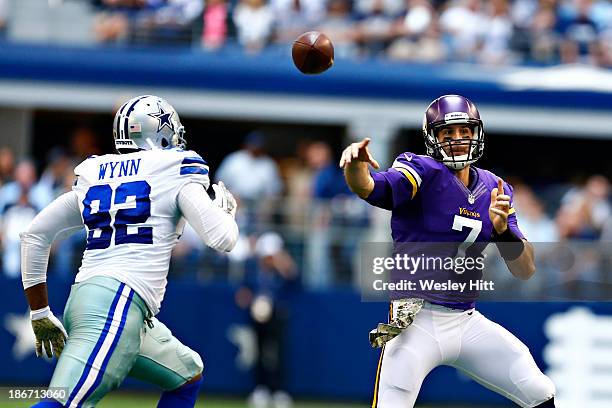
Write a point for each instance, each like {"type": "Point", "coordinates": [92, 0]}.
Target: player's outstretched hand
{"type": "Point", "coordinates": [499, 208]}
{"type": "Point", "coordinates": [224, 199]}
{"type": "Point", "coordinates": [49, 332]}
{"type": "Point", "coordinates": [358, 152]}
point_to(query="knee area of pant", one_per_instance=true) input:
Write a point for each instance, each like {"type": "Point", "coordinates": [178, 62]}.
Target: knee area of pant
{"type": "Point", "coordinates": [198, 364]}
{"type": "Point", "coordinates": [402, 370]}
{"type": "Point", "coordinates": [529, 379]}
{"type": "Point", "coordinates": [540, 389]}
{"type": "Point", "coordinates": [192, 361]}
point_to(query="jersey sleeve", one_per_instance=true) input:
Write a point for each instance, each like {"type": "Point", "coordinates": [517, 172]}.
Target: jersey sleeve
{"type": "Point", "coordinates": [512, 220]}
{"type": "Point", "coordinates": [215, 227]}
{"type": "Point", "coordinates": [82, 175]}
{"type": "Point", "coordinates": [193, 169]}
{"type": "Point", "coordinates": [400, 183]}
{"type": "Point", "coordinates": [59, 219]}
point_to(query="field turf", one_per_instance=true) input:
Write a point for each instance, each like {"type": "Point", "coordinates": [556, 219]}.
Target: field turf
{"type": "Point", "coordinates": [136, 400]}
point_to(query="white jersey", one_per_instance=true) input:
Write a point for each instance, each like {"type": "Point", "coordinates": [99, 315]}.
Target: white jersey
{"type": "Point", "coordinates": [129, 207]}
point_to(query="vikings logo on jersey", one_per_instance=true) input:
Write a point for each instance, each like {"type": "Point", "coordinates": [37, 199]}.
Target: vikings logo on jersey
{"type": "Point", "coordinates": [430, 204]}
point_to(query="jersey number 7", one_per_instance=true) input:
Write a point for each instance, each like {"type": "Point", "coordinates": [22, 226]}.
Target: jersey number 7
{"type": "Point", "coordinates": [131, 205]}
{"type": "Point", "coordinates": [474, 225]}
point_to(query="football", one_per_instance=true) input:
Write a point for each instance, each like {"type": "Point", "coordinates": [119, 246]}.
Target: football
{"type": "Point", "coordinates": [313, 53]}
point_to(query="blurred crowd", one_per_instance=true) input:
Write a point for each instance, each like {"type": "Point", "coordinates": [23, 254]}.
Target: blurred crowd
{"type": "Point", "coordinates": [488, 32]}
{"type": "Point", "coordinates": [301, 229]}
{"type": "Point", "coordinates": [24, 191]}
{"type": "Point", "coordinates": [301, 198]}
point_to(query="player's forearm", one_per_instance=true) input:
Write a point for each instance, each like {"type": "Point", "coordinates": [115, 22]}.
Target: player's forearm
{"type": "Point", "coordinates": [358, 178]}
{"type": "Point", "coordinates": [224, 235]}
{"type": "Point", "coordinates": [523, 267]}
{"type": "Point", "coordinates": [215, 227]}
{"type": "Point", "coordinates": [37, 296]}
{"type": "Point", "coordinates": [35, 249]}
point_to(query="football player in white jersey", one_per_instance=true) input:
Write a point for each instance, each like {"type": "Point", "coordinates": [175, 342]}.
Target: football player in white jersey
{"type": "Point", "coordinates": [134, 206]}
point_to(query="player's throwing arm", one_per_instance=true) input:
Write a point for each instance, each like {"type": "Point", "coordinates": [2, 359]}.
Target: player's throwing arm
{"type": "Point", "coordinates": [355, 159]}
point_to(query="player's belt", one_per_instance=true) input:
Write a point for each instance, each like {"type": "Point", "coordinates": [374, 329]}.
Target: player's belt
{"type": "Point", "coordinates": [405, 312]}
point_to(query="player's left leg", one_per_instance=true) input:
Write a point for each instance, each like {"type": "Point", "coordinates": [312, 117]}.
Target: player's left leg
{"type": "Point", "coordinates": [169, 364]}
{"type": "Point", "coordinates": [494, 357]}
{"type": "Point", "coordinates": [104, 320]}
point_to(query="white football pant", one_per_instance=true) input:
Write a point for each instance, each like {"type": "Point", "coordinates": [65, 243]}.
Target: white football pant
{"type": "Point", "coordinates": [466, 340]}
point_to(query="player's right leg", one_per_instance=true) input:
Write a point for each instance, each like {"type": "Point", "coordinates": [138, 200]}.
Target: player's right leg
{"type": "Point", "coordinates": [169, 364]}
{"type": "Point", "coordinates": [104, 320]}
{"type": "Point", "coordinates": [405, 362]}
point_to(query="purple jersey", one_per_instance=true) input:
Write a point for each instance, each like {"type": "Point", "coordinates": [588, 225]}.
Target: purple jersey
{"type": "Point", "coordinates": [430, 204]}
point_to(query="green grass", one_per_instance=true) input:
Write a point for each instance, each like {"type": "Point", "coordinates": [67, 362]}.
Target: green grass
{"type": "Point", "coordinates": [136, 400]}
{"type": "Point", "coordinates": [147, 400]}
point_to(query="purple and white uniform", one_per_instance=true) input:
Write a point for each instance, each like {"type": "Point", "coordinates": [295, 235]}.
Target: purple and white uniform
{"type": "Point", "coordinates": [426, 198]}
{"type": "Point", "coordinates": [429, 204]}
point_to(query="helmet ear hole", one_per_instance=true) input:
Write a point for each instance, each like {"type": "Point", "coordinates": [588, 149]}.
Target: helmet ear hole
{"type": "Point", "coordinates": [164, 142]}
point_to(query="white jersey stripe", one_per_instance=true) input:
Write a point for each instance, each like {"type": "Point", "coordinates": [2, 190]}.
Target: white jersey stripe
{"type": "Point", "coordinates": [409, 169]}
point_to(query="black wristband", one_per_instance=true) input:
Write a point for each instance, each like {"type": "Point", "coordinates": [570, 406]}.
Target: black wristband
{"type": "Point", "coordinates": [509, 245]}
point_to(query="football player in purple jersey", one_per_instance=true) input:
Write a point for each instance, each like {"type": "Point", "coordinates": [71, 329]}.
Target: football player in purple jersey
{"type": "Point", "coordinates": [443, 197]}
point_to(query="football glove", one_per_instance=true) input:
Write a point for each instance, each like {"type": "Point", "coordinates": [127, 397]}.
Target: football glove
{"type": "Point", "coordinates": [50, 334]}
{"type": "Point", "coordinates": [224, 199]}
{"type": "Point", "coordinates": [406, 311]}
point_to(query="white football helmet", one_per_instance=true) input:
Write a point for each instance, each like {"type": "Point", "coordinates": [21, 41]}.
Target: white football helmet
{"type": "Point", "coordinates": [147, 122]}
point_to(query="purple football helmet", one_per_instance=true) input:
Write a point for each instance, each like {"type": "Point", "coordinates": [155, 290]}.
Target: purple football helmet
{"type": "Point", "coordinates": [453, 110]}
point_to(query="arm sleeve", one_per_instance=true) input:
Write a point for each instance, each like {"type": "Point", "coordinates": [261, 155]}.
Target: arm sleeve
{"type": "Point", "coordinates": [214, 226]}
{"type": "Point", "coordinates": [512, 220]}
{"type": "Point", "coordinates": [58, 220]}
{"type": "Point", "coordinates": [399, 184]}
{"type": "Point", "coordinates": [381, 196]}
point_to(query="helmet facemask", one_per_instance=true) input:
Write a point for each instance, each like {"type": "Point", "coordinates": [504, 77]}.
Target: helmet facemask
{"type": "Point", "coordinates": [178, 139]}
{"type": "Point", "coordinates": [451, 110]}
{"type": "Point", "coordinates": [446, 151]}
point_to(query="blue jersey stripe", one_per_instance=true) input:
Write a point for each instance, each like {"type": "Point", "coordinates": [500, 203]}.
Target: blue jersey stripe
{"type": "Point", "coordinates": [193, 170]}
{"type": "Point", "coordinates": [110, 351]}
{"type": "Point", "coordinates": [96, 349]}
{"type": "Point", "coordinates": [192, 160]}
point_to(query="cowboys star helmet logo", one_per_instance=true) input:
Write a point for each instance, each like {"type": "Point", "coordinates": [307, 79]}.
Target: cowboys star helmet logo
{"type": "Point", "coordinates": [163, 117]}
